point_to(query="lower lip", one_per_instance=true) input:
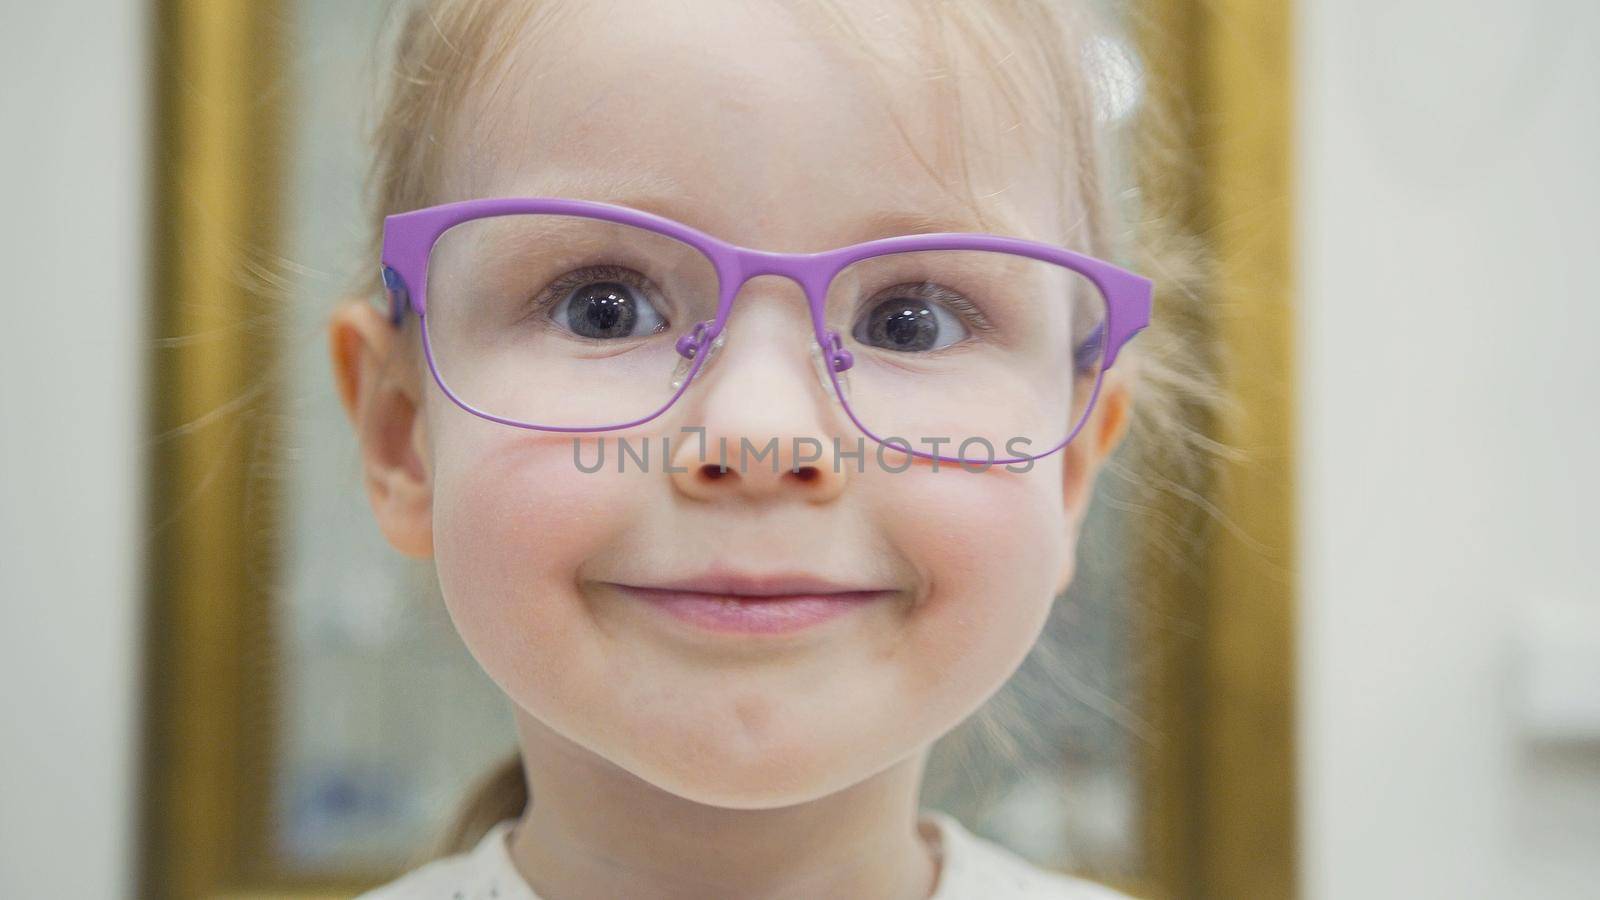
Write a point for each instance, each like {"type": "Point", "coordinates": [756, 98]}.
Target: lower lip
{"type": "Point", "coordinates": [753, 615]}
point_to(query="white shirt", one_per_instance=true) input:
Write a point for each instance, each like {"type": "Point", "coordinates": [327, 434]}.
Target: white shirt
{"type": "Point", "coordinates": [971, 868]}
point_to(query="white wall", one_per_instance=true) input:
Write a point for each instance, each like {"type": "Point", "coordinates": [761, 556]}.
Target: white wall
{"type": "Point", "coordinates": [1449, 407]}
{"type": "Point", "coordinates": [72, 294]}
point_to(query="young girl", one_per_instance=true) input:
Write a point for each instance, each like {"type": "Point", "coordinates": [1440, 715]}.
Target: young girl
{"type": "Point", "coordinates": [727, 667]}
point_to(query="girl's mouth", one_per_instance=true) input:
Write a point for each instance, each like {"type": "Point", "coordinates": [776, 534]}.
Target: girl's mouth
{"type": "Point", "coordinates": [741, 604]}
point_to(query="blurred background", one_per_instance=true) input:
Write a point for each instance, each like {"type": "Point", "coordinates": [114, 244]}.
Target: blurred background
{"type": "Point", "coordinates": [1378, 677]}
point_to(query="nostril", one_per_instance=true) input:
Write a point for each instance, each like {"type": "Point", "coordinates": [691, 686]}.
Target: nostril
{"type": "Point", "coordinates": [717, 471]}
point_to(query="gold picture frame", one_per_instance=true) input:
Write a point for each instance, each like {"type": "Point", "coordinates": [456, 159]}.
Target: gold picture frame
{"type": "Point", "coordinates": [1222, 818]}
{"type": "Point", "coordinates": [1219, 813]}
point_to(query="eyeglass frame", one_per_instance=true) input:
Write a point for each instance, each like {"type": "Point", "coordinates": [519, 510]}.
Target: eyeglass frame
{"type": "Point", "coordinates": [409, 238]}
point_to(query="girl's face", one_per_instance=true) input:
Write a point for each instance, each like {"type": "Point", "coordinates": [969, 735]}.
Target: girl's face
{"type": "Point", "coordinates": [741, 122]}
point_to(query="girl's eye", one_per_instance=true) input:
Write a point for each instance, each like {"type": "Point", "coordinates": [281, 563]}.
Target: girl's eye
{"type": "Point", "coordinates": [605, 304]}
{"type": "Point", "coordinates": [915, 318]}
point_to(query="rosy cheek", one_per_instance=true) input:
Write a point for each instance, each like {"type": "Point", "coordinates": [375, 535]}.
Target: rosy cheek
{"type": "Point", "coordinates": [992, 528]}
{"type": "Point", "coordinates": [513, 523]}
{"type": "Point", "coordinates": [990, 545]}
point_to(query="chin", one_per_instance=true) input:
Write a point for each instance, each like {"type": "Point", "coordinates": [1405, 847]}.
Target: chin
{"type": "Point", "coordinates": [756, 788]}
{"type": "Point", "coordinates": [776, 778]}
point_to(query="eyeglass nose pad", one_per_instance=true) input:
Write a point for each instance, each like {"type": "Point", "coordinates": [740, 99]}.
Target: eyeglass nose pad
{"type": "Point", "coordinates": [841, 360]}
{"type": "Point", "coordinates": [688, 348]}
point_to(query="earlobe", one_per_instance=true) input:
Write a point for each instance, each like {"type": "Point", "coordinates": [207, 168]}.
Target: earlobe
{"type": "Point", "coordinates": [1115, 418]}
{"type": "Point", "coordinates": [379, 389]}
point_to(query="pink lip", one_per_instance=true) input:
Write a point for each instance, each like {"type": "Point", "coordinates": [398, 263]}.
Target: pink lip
{"type": "Point", "coordinates": [754, 604]}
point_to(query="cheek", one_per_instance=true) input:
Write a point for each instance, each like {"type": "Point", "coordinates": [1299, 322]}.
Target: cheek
{"type": "Point", "coordinates": [990, 547]}
{"type": "Point", "coordinates": [513, 522]}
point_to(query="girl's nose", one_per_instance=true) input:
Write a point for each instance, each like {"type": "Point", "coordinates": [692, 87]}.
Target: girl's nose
{"type": "Point", "coordinates": [756, 422]}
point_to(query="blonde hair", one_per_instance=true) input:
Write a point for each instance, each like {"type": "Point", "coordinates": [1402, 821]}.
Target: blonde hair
{"type": "Point", "coordinates": [445, 47]}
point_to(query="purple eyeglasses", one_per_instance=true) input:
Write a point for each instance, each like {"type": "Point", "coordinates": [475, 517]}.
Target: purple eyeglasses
{"type": "Point", "coordinates": [579, 316]}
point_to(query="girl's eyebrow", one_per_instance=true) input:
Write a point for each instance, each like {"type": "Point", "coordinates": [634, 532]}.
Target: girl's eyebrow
{"type": "Point", "coordinates": [890, 223]}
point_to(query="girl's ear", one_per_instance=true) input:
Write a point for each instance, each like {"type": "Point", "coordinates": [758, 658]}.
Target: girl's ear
{"type": "Point", "coordinates": [380, 387]}
{"type": "Point", "coordinates": [1081, 460]}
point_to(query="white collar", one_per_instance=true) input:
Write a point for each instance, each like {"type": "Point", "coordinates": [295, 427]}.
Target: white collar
{"type": "Point", "coordinates": [970, 867]}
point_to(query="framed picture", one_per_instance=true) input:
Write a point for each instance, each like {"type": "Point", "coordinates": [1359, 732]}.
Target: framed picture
{"type": "Point", "coordinates": [312, 717]}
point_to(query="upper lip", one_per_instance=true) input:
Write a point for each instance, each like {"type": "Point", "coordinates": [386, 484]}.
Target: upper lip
{"type": "Point", "coordinates": [726, 583]}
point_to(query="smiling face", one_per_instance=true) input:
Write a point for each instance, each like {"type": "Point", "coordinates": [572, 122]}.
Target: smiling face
{"type": "Point", "coordinates": [744, 123]}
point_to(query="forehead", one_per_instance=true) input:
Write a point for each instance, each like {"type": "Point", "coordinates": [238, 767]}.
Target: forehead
{"type": "Point", "coordinates": [755, 121]}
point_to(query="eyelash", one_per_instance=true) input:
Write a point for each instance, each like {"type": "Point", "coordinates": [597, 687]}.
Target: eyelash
{"type": "Point", "coordinates": [558, 290]}
{"type": "Point", "coordinates": [935, 292]}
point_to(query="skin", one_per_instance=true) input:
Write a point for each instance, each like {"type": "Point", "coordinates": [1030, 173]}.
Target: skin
{"type": "Point", "coordinates": [662, 763]}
